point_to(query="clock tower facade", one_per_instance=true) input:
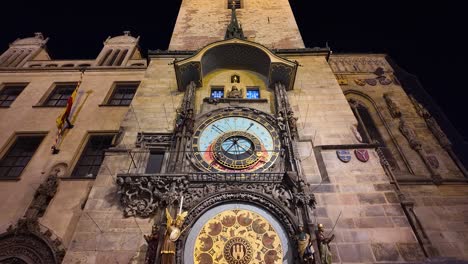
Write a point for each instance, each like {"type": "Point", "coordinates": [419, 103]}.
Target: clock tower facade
{"type": "Point", "coordinates": [241, 145]}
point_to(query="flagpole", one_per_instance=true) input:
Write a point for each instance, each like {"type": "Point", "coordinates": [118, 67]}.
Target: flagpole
{"type": "Point", "coordinates": [65, 116]}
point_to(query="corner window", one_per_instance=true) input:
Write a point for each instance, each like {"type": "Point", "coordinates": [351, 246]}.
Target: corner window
{"type": "Point", "coordinates": [18, 156]}
{"type": "Point", "coordinates": [60, 94]}
{"type": "Point", "coordinates": [123, 94]}
{"type": "Point", "coordinates": [253, 93]}
{"type": "Point", "coordinates": [92, 156]}
{"type": "Point", "coordinates": [155, 162]}
{"type": "Point", "coordinates": [217, 92]}
{"type": "Point", "coordinates": [9, 93]}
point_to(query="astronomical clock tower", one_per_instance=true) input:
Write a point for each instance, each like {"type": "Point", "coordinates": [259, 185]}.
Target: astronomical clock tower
{"type": "Point", "coordinates": [230, 187]}
{"type": "Point", "coordinates": [242, 146]}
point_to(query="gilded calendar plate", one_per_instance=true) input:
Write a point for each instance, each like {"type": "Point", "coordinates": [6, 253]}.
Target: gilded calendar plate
{"type": "Point", "coordinates": [238, 236]}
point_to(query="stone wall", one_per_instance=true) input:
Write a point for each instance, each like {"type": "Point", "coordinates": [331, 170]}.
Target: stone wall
{"type": "Point", "coordinates": [372, 227]}
{"type": "Point", "coordinates": [443, 211]}
{"type": "Point", "coordinates": [270, 23]}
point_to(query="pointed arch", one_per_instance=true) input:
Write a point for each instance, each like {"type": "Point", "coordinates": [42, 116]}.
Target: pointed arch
{"type": "Point", "coordinates": [374, 129]}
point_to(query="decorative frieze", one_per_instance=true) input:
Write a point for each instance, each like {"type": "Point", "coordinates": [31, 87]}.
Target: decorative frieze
{"type": "Point", "coordinates": [341, 64]}
{"type": "Point", "coordinates": [148, 140]}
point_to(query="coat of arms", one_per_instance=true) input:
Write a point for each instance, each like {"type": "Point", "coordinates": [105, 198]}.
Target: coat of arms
{"type": "Point", "coordinates": [433, 161]}
{"type": "Point", "coordinates": [362, 154]}
{"type": "Point", "coordinates": [344, 155]}
{"type": "Point", "coordinates": [360, 82]}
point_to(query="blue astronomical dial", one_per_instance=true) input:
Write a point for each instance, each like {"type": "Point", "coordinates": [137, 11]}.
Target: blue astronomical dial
{"type": "Point", "coordinates": [240, 142]}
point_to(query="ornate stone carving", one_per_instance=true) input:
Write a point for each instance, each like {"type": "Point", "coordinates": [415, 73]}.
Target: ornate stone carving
{"type": "Point", "coordinates": [431, 124]}
{"type": "Point", "coordinates": [438, 133]}
{"type": "Point", "coordinates": [392, 105]}
{"type": "Point", "coordinates": [27, 240]}
{"type": "Point", "coordinates": [410, 135]}
{"type": "Point", "coordinates": [27, 243]}
{"type": "Point", "coordinates": [153, 139]}
{"type": "Point", "coordinates": [287, 219]}
{"type": "Point", "coordinates": [44, 193]}
{"type": "Point", "coordinates": [140, 196]}
{"type": "Point", "coordinates": [420, 109]}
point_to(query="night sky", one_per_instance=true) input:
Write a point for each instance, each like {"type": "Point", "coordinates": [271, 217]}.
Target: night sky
{"type": "Point", "coordinates": [427, 40]}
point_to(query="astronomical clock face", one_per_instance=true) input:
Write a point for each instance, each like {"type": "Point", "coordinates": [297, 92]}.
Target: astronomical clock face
{"type": "Point", "coordinates": [235, 142]}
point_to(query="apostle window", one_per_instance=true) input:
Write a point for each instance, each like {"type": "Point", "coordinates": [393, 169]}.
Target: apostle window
{"type": "Point", "coordinates": [253, 93]}
{"type": "Point", "coordinates": [9, 93]}
{"type": "Point", "coordinates": [123, 94]}
{"type": "Point", "coordinates": [217, 92]}
{"type": "Point", "coordinates": [18, 156]}
{"type": "Point", "coordinates": [92, 156]}
{"type": "Point", "coordinates": [60, 94]}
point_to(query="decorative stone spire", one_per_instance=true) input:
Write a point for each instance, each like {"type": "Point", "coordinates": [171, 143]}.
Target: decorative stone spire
{"type": "Point", "coordinates": [234, 29]}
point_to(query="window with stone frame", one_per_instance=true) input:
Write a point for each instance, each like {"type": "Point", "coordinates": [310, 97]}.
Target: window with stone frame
{"type": "Point", "coordinates": [237, 4]}
{"type": "Point", "coordinates": [92, 156]}
{"type": "Point", "coordinates": [9, 93]}
{"type": "Point", "coordinates": [19, 155]}
{"type": "Point", "coordinates": [155, 161]}
{"type": "Point", "coordinates": [369, 131]}
{"type": "Point", "coordinates": [60, 94]}
{"type": "Point", "coordinates": [123, 94]}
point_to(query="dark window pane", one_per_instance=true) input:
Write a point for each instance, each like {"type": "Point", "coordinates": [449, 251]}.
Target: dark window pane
{"type": "Point", "coordinates": [370, 125]}
{"type": "Point", "coordinates": [19, 155]}
{"type": "Point", "coordinates": [123, 94]}
{"type": "Point", "coordinates": [60, 95]}
{"type": "Point", "coordinates": [155, 162]}
{"type": "Point", "coordinates": [92, 156]}
{"type": "Point", "coordinates": [9, 93]}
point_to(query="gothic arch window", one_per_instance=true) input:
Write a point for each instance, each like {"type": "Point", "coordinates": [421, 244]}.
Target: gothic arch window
{"type": "Point", "coordinates": [370, 133]}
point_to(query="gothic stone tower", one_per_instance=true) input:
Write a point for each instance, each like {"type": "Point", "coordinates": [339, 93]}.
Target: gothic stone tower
{"type": "Point", "coordinates": [239, 135]}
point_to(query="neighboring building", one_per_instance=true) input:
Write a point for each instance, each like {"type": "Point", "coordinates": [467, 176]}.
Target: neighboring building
{"type": "Point", "coordinates": [232, 140]}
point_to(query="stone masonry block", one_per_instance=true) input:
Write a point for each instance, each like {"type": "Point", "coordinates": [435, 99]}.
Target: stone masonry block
{"type": "Point", "coordinates": [355, 253]}
{"type": "Point", "coordinates": [385, 252]}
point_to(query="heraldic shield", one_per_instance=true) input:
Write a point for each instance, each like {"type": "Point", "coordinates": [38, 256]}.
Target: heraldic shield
{"type": "Point", "coordinates": [362, 154]}
{"type": "Point", "coordinates": [344, 155]}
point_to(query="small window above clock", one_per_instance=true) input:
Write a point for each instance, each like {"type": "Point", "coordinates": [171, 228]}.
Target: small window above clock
{"type": "Point", "coordinates": [253, 92]}
{"type": "Point", "coordinates": [217, 92]}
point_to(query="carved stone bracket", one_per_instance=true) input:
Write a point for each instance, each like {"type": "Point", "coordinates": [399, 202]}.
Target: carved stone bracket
{"type": "Point", "coordinates": [142, 195]}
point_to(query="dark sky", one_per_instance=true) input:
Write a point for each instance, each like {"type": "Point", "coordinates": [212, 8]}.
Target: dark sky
{"type": "Point", "coordinates": [427, 39]}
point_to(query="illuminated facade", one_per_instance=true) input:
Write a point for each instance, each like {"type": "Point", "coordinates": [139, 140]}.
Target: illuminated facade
{"type": "Point", "coordinates": [232, 146]}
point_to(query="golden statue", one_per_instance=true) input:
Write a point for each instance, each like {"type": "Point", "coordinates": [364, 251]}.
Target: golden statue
{"type": "Point", "coordinates": [173, 232]}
